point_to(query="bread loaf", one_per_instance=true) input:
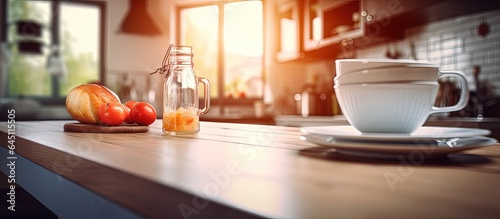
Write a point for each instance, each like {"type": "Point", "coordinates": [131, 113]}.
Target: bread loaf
{"type": "Point", "coordinates": [83, 101]}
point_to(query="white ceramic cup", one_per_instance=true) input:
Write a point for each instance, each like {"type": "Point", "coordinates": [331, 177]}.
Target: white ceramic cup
{"type": "Point", "coordinates": [391, 74]}
{"type": "Point", "coordinates": [393, 107]}
{"type": "Point", "coordinates": [346, 66]}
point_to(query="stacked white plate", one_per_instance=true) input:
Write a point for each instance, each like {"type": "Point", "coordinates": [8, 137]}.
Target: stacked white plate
{"type": "Point", "coordinates": [386, 102]}
{"type": "Point", "coordinates": [353, 65]}
{"type": "Point", "coordinates": [389, 75]}
{"type": "Point", "coordinates": [420, 145]}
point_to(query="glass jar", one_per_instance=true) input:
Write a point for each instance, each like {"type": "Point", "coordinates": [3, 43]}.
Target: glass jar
{"type": "Point", "coordinates": [181, 112]}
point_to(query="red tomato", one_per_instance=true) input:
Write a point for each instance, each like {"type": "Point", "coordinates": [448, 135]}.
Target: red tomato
{"type": "Point", "coordinates": [112, 113]}
{"type": "Point", "coordinates": [143, 113]}
{"type": "Point", "coordinates": [127, 118]}
{"type": "Point", "coordinates": [243, 95]}
{"type": "Point", "coordinates": [130, 103]}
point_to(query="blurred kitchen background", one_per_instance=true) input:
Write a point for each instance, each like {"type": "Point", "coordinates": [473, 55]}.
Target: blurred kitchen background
{"type": "Point", "coordinates": [268, 62]}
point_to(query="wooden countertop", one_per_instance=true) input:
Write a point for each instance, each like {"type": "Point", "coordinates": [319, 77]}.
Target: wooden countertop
{"type": "Point", "coordinates": [244, 171]}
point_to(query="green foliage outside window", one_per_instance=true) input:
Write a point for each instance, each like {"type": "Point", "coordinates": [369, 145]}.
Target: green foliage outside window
{"type": "Point", "coordinates": [27, 72]}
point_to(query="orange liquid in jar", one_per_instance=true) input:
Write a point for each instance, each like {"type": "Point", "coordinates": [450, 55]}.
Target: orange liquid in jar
{"type": "Point", "coordinates": [181, 121]}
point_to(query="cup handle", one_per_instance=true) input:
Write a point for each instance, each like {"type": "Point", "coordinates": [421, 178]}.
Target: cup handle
{"type": "Point", "coordinates": [464, 94]}
{"type": "Point", "coordinates": [206, 92]}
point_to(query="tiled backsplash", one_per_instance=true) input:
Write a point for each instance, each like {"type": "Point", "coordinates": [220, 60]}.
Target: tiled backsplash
{"type": "Point", "coordinates": [454, 44]}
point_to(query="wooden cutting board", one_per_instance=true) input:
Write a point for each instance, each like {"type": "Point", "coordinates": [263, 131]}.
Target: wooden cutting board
{"type": "Point", "coordinates": [100, 128]}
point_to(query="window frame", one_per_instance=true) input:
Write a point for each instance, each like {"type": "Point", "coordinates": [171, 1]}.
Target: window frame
{"type": "Point", "coordinates": [221, 101]}
{"type": "Point", "coordinates": [100, 5]}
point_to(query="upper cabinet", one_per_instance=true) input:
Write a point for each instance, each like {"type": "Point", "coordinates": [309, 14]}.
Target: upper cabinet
{"type": "Point", "coordinates": [306, 26]}
{"type": "Point", "coordinates": [311, 29]}
{"type": "Point", "coordinates": [288, 31]}
{"type": "Point", "coordinates": [319, 29]}
{"type": "Point", "coordinates": [328, 22]}
{"type": "Point", "coordinates": [384, 10]}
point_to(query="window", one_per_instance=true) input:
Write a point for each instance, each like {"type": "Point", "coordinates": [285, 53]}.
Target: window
{"type": "Point", "coordinates": [227, 41]}
{"type": "Point", "coordinates": [80, 40]}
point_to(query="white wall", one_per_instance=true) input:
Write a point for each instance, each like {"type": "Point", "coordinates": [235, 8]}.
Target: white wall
{"type": "Point", "coordinates": [137, 55]}
{"type": "Point", "coordinates": [126, 52]}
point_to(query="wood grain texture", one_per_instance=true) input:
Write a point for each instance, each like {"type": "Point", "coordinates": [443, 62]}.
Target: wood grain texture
{"type": "Point", "coordinates": [100, 128]}
{"type": "Point", "coordinates": [245, 171]}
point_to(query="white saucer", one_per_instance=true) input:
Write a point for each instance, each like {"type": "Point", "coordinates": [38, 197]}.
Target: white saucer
{"type": "Point", "coordinates": [417, 151]}
{"type": "Point", "coordinates": [423, 133]}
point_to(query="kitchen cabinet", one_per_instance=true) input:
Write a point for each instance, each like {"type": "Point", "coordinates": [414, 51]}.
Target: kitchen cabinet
{"type": "Point", "coordinates": [328, 22]}
{"type": "Point", "coordinates": [312, 29]}
{"type": "Point", "coordinates": [319, 29]}
{"type": "Point", "coordinates": [398, 15]}
{"type": "Point", "coordinates": [384, 10]}
{"type": "Point", "coordinates": [312, 23]}
{"type": "Point", "coordinates": [288, 30]}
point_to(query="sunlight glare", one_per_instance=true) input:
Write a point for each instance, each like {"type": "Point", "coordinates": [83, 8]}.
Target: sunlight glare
{"type": "Point", "coordinates": [243, 28]}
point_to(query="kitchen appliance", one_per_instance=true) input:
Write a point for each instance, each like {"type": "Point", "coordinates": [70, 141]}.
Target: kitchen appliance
{"type": "Point", "coordinates": [138, 20]}
{"type": "Point", "coordinates": [312, 102]}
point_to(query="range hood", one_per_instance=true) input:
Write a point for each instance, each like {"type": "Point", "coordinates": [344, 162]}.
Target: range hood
{"type": "Point", "coordinates": [138, 20]}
